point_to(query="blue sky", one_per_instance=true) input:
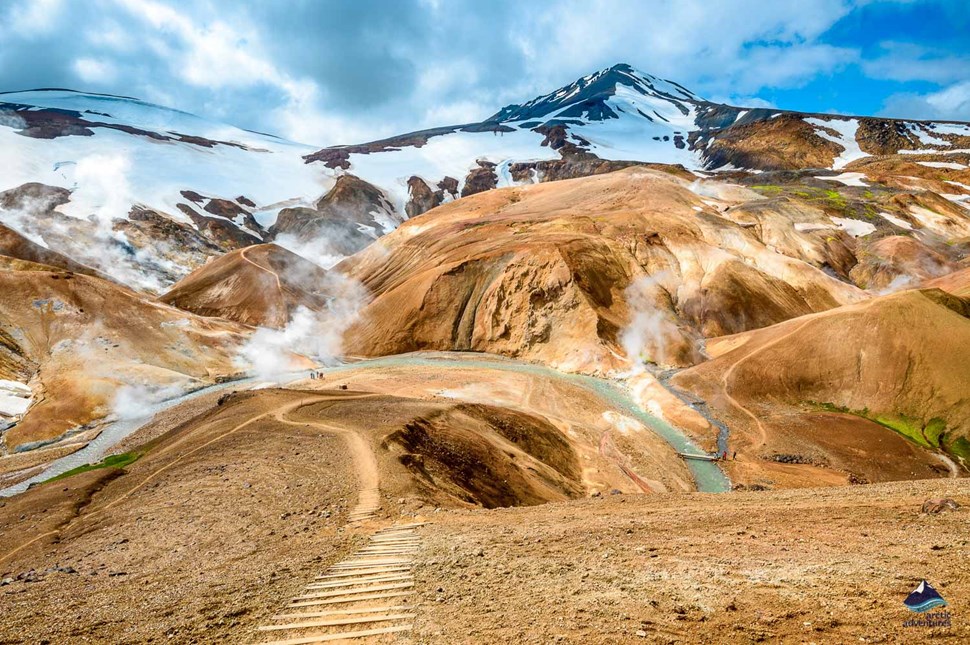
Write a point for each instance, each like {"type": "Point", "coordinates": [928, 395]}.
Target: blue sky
{"type": "Point", "coordinates": [335, 71]}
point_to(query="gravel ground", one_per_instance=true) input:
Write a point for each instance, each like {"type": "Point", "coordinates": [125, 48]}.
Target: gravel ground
{"type": "Point", "coordinates": [800, 566]}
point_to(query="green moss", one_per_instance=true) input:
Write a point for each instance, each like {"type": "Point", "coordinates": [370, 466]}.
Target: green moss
{"type": "Point", "coordinates": [960, 447]}
{"type": "Point", "coordinates": [835, 198]}
{"type": "Point", "coordinates": [934, 431]}
{"type": "Point", "coordinates": [114, 461]}
{"type": "Point", "coordinates": [767, 188]}
{"type": "Point", "coordinates": [909, 428]}
{"type": "Point", "coordinates": [932, 435]}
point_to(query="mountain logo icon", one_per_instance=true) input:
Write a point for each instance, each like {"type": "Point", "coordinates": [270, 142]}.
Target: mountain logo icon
{"type": "Point", "coordinates": [923, 598]}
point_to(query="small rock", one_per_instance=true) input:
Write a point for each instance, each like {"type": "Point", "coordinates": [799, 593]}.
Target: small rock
{"type": "Point", "coordinates": [6, 581]}
{"type": "Point", "coordinates": [641, 633]}
{"type": "Point", "coordinates": [934, 506]}
{"type": "Point", "coordinates": [480, 552]}
{"type": "Point", "coordinates": [616, 491]}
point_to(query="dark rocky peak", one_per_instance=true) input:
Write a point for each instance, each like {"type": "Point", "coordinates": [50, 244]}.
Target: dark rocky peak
{"type": "Point", "coordinates": [587, 97]}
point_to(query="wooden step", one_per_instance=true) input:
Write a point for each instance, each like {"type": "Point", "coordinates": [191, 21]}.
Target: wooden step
{"type": "Point", "coordinates": [362, 581]}
{"type": "Point", "coordinates": [361, 563]}
{"type": "Point", "coordinates": [337, 601]}
{"type": "Point", "coordinates": [392, 569]}
{"type": "Point", "coordinates": [336, 622]}
{"type": "Point", "coordinates": [348, 592]}
{"type": "Point", "coordinates": [342, 612]}
{"type": "Point", "coordinates": [335, 637]}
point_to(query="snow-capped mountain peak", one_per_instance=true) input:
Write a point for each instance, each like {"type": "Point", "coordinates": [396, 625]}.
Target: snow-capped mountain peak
{"type": "Point", "coordinates": [589, 97]}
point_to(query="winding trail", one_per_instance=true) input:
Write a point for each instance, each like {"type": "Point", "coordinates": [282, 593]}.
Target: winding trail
{"type": "Point", "coordinates": [366, 594]}
{"type": "Point", "coordinates": [279, 284]}
{"type": "Point", "coordinates": [85, 517]}
{"type": "Point", "coordinates": [726, 378]}
{"type": "Point", "coordinates": [365, 461]}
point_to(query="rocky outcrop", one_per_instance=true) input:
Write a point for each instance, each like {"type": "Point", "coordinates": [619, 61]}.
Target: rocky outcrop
{"type": "Point", "coordinates": [234, 212]}
{"type": "Point", "coordinates": [422, 198]}
{"type": "Point", "coordinates": [480, 179]}
{"type": "Point", "coordinates": [349, 217]}
{"type": "Point", "coordinates": [885, 137]}
{"type": "Point", "coordinates": [224, 234]}
{"type": "Point", "coordinates": [785, 142]}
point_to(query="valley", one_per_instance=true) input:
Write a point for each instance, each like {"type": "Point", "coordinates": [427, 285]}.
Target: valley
{"type": "Point", "coordinates": [615, 363]}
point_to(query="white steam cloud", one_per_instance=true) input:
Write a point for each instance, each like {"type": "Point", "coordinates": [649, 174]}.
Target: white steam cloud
{"type": "Point", "coordinates": [319, 250]}
{"type": "Point", "coordinates": [317, 335]}
{"type": "Point", "coordinates": [83, 228]}
{"type": "Point", "coordinates": [651, 332]}
{"type": "Point", "coordinates": [139, 401]}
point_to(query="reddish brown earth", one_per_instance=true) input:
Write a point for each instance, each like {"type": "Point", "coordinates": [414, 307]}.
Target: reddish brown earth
{"type": "Point", "coordinates": [151, 552]}
{"type": "Point", "coordinates": [77, 339]}
{"type": "Point", "coordinates": [895, 359]}
{"type": "Point", "coordinates": [260, 285]}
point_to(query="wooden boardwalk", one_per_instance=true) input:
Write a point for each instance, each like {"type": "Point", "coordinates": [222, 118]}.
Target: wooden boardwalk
{"type": "Point", "coordinates": [363, 596]}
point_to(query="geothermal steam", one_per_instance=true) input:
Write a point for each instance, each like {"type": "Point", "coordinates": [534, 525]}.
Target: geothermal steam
{"type": "Point", "coordinates": [651, 334]}
{"type": "Point", "coordinates": [271, 353]}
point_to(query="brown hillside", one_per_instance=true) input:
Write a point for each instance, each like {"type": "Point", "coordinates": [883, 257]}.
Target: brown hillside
{"type": "Point", "coordinates": [79, 339]}
{"type": "Point", "coordinates": [826, 389]}
{"type": "Point", "coordinates": [15, 245]}
{"type": "Point", "coordinates": [259, 285]}
{"type": "Point", "coordinates": [556, 271]}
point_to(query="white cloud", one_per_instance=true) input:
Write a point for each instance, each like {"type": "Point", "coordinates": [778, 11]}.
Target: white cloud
{"type": "Point", "coordinates": [739, 46]}
{"type": "Point", "coordinates": [34, 17]}
{"type": "Point", "coordinates": [307, 72]}
{"type": "Point", "coordinates": [91, 70]}
{"type": "Point", "coordinates": [909, 62]}
{"type": "Point", "coordinates": [950, 103]}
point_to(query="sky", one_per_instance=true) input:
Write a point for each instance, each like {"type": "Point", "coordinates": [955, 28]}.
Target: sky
{"type": "Point", "coordinates": [327, 72]}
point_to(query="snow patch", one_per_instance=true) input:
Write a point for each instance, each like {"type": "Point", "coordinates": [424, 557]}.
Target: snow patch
{"type": "Point", "coordinates": [952, 165]}
{"type": "Point", "coordinates": [15, 398]}
{"type": "Point", "coordinates": [848, 178]}
{"type": "Point", "coordinates": [846, 129]}
{"type": "Point", "coordinates": [901, 223]}
{"type": "Point", "coordinates": [854, 227]}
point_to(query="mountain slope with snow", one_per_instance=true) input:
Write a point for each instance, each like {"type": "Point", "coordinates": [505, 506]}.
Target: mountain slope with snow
{"type": "Point", "coordinates": [622, 115]}
{"type": "Point", "coordinates": [141, 192]}
{"type": "Point", "coordinates": [146, 194]}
